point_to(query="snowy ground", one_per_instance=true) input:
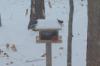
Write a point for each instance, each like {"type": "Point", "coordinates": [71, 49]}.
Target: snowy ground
{"type": "Point", "coordinates": [14, 31]}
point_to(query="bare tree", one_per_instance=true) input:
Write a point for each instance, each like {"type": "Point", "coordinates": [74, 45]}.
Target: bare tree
{"type": "Point", "coordinates": [93, 38]}
{"type": "Point", "coordinates": [69, 50]}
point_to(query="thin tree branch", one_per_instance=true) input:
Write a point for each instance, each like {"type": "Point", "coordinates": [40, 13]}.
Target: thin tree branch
{"type": "Point", "coordinates": [69, 50]}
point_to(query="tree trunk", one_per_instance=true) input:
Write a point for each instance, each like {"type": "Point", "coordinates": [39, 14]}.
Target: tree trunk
{"type": "Point", "coordinates": [93, 39]}
{"type": "Point", "coordinates": [69, 50]}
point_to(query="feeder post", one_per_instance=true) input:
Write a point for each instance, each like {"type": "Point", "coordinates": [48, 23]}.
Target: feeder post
{"type": "Point", "coordinates": [48, 54]}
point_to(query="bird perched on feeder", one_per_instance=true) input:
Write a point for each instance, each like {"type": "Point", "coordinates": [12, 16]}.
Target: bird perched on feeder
{"type": "Point", "coordinates": [60, 22]}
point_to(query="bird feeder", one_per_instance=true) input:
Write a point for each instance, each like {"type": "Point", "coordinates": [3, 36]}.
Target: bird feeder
{"type": "Point", "coordinates": [48, 36]}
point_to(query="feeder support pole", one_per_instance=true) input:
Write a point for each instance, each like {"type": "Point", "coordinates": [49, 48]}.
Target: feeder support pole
{"type": "Point", "coordinates": [48, 54]}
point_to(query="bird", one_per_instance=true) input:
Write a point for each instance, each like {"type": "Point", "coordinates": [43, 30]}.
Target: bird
{"type": "Point", "coordinates": [50, 4]}
{"type": "Point", "coordinates": [13, 47]}
{"type": "Point", "coordinates": [61, 48]}
{"type": "Point", "coordinates": [1, 51]}
{"type": "Point", "coordinates": [32, 25]}
{"type": "Point", "coordinates": [26, 13]}
{"type": "Point", "coordinates": [43, 55]}
{"type": "Point", "coordinates": [60, 22]}
{"type": "Point", "coordinates": [7, 46]}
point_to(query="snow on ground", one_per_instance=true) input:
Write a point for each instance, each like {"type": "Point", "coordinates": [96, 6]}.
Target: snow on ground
{"type": "Point", "coordinates": [14, 31]}
{"type": "Point", "coordinates": [80, 33]}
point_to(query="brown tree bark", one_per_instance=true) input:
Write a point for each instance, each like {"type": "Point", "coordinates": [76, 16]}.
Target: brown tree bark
{"type": "Point", "coordinates": [93, 38]}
